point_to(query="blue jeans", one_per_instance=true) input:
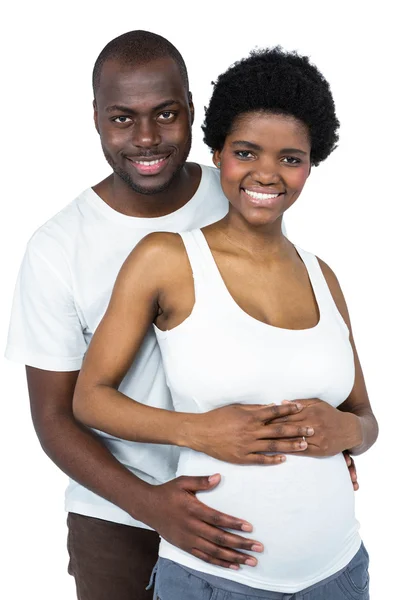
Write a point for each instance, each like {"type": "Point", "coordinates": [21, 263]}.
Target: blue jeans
{"type": "Point", "coordinates": [174, 582]}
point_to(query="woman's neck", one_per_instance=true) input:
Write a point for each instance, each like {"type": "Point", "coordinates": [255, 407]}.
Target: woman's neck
{"type": "Point", "coordinates": [265, 240]}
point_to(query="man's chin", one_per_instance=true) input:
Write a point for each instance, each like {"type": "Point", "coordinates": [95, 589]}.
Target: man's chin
{"type": "Point", "coordinates": [151, 189]}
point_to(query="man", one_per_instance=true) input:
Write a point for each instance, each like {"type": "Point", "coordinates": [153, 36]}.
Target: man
{"type": "Point", "coordinates": [119, 490]}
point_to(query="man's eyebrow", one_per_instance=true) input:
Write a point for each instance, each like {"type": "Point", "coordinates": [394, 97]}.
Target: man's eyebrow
{"type": "Point", "coordinates": [130, 111]}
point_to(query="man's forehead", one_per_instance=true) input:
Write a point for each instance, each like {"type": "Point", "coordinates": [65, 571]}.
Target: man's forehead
{"type": "Point", "coordinates": [151, 81]}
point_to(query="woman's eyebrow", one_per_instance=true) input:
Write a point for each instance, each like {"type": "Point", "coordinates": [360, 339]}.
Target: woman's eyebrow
{"type": "Point", "coordinates": [247, 144]}
{"type": "Point", "coordinates": [293, 151]}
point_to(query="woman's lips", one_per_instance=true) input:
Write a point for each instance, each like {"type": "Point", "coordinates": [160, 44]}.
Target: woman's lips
{"type": "Point", "coordinates": [262, 199]}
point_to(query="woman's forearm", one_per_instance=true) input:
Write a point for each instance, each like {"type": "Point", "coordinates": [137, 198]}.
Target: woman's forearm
{"type": "Point", "coordinates": [367, 431]}
{"type": "Point", "coordinates": [106, 409]}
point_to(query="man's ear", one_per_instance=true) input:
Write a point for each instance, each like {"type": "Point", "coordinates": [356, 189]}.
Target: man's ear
{"type": "Point", "coordinates": [191, 108]}
{"type": "Point", "coordinates": [95, 116]}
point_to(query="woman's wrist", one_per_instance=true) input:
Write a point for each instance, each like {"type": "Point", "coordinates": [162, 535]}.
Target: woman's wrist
{"type": "Point", "coordinates": [354, 431]}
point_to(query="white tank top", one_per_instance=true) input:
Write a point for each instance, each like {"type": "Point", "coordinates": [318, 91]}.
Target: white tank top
{"type": "Point", "coordinates": [302, 510]}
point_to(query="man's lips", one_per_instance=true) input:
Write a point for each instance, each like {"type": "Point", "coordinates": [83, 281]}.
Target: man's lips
{"type": "Point", "coordinates": [149, 166]}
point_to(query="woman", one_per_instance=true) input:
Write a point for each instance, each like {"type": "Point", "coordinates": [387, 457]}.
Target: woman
{"type": "Point", "coordinates": [243, 315]}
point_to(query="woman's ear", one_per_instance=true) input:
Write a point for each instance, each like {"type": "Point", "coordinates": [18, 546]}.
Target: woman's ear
{"type": "Point", "coordinates": [217, 159]}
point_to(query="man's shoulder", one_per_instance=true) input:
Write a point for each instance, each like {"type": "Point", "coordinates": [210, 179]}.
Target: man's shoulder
{"type": "Point", "coordinates": [211, 173]}
{"type": "Point", "coordinates": [61, 227]}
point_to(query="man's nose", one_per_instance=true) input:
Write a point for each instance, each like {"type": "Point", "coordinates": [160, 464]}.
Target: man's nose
{"type": "Point", "coordinates": [146, 134]}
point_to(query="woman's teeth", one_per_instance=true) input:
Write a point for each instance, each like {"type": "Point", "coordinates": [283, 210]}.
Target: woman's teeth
{"type": "Point", "coordinates": [259, 196]}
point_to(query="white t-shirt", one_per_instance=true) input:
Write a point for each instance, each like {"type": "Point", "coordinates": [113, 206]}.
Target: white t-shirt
{"type": "Point", "coordinates": [62, 292]}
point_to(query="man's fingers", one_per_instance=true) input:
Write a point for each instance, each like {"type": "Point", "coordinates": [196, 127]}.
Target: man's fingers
{"type": "Point", "coordinates": [216, 553]}
{"type": "Point", "coordinates": [213, 560]}
{"type": "Point", "coordinates": [199, 484]}
{"type": "Point", "coordinates": [221, 520]}
{"type": "Point", "coordinates": [227, 540]}
{"type": "Point", "coordinates": [209, 555]}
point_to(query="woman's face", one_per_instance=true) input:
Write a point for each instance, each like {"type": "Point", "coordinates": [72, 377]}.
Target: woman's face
{"type": "Point", "coordinates": [265, 163]}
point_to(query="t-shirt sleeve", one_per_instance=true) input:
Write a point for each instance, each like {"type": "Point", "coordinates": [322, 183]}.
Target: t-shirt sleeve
{"type": "Point", "coordinates": [45, 330]}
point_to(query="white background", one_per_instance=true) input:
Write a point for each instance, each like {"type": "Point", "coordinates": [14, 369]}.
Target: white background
{"type": "Point", "coordinates": [348, 215]}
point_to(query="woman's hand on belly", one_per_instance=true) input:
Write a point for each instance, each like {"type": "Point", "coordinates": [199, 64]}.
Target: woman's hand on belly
{"type": "Point", "coordinates": [243, 433]}
{"type": "Point", "coordinates": [334, 431]}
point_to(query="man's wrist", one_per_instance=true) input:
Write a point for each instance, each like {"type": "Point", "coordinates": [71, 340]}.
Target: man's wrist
{"type": "Point", "coordinates": [140, 502]}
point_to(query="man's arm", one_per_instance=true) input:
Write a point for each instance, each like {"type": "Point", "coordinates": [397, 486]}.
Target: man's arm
{"type": "Point", "coordinates": [172, 509]}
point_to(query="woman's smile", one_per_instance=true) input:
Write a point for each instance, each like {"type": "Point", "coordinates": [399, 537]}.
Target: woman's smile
{"type": "Point", "coordinates": [265, 162]}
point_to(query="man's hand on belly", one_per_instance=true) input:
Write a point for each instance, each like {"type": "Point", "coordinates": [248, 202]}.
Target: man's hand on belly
{"type": "Point", "coordinates": [181, 519]}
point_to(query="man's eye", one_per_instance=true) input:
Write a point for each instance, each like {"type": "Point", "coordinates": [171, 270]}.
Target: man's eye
{"type": "Point", "coordinates": [167, 115]}
{"type": "Point", "coordinates": [122, 120]}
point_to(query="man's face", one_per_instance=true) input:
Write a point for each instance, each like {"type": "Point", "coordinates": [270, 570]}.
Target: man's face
{"type": "Point", "coordinates": [144, 116]}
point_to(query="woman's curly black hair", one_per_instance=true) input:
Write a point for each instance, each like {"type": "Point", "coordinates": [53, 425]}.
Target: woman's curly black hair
{"type": "Point", "coordinates": [278, 82]}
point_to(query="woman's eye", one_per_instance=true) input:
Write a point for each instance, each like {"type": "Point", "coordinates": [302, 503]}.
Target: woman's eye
{"type": "Point", "coordinates": [122, 120]}
{"type": "Point", "coordinates": [244, 154]}
{"type": "Point", "coordinates": [291, 160]}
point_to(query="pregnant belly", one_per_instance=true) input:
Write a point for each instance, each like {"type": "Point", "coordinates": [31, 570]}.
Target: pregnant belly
{"type": "Point", "coordinates": [302, 511]}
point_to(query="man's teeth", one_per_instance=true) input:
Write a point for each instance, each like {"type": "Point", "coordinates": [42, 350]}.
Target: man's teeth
{"type": "Point", "coordinates": [258, 196]}
{"type": "Point", "coordinates": [149, 163]}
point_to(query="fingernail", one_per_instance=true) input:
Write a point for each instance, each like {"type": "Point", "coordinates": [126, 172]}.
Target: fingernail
{"type": "Point", "coordinates": [303, 444]}
{"type": "Point", "coordinates": [310, 431]}
{"type": "Point", "coordinates": [213, 478]}
{"type": "Point", "coordinates": [298, 406]}
{"type": "Point", "coordinates": [251, 562]}
{"type": "Point", "coordinates": [234, 567]}
{"type": "Point", "coordinates": [246, 527]}
{"type": "Point", "coordinates": [257, 547]}
{"type": "Point", "coordinates": [282, 458]}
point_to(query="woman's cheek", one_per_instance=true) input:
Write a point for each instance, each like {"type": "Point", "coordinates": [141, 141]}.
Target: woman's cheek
{"type": "Point", "coordinates": [302, 174]}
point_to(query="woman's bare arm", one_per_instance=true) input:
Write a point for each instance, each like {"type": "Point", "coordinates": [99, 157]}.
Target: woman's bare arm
{"type": "Point", "coordinates": [358, 402]}
{"type": "Point", "coordinates": [352, 426]}
{"type": "Point", "coordinates": [232, 433]}
{"type": "Point", "coordinates": [132, 309]}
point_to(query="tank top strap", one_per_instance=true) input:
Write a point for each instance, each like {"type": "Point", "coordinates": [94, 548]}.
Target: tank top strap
{"type": "Point", "coordinates": [326, 304]}
{"type": "Point", "coordinates": [201, 261]}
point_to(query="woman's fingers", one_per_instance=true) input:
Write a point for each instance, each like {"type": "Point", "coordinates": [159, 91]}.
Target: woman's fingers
{"type": "Point", "coordinates": [282, 430]}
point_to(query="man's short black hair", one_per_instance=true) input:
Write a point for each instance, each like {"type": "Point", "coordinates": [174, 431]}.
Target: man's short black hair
{"type": "Point", "coordinates": [278, 82]}
{"type": "Point", "coordinates": [137, 48]}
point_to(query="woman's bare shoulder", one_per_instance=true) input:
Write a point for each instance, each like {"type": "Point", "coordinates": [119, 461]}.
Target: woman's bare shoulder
{"type": "Point", "coordinates": [336, 290]}
{"type": "Point", "coordinates": [155, 258]}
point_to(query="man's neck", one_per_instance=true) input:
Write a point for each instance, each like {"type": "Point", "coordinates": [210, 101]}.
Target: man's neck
{"type": "Point", "coordinates": [122, 198]}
